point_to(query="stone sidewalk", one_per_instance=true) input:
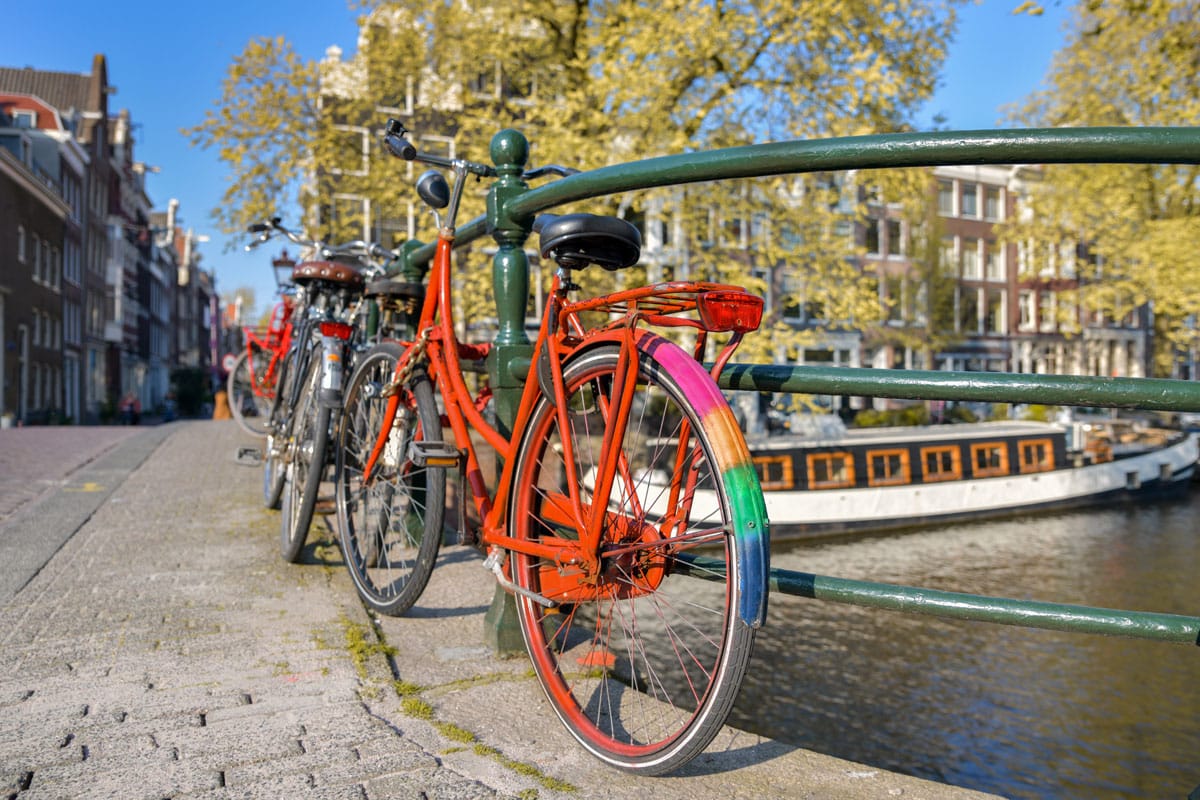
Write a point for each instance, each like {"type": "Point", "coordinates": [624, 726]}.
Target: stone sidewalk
{"type": "Point", "coordinates": [165, 651]}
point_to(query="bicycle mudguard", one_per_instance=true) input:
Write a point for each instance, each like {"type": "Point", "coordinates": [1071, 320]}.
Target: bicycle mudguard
{"type": "Point", "coordinates": [731, 456]}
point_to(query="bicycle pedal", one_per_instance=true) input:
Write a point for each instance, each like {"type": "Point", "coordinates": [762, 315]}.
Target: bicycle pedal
{"type": "Point", "coordinates": [434, 454]}
{"type": "Point", "coordinates": [248, 456]}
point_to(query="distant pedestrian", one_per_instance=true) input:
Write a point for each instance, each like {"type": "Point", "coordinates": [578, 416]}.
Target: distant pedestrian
{"type": "Point", "coordinates": [131, 409]}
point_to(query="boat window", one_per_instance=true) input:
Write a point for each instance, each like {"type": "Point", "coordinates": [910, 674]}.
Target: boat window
{"type": "Point", "coordinates": [941, 463]}
{"type": "Point", "coordinates": [1037, 455]}
{"type": "Point", "coordinates": [988, 459]}
{"type": "Point", "coordinates": [774, 472]}
{"type": "Point", "coordinates": [830, 470]}
{"type": "Point", "coordinates": [888, 467]}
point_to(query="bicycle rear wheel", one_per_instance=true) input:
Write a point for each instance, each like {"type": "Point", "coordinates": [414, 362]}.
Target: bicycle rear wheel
{"type": "Point", "coordinates": [639, 661]}
{"type": "Point", "coordinates": [277, 429]}
{"type": "Point", "coordinates": [249, 395]}
{"type": "Point", "coordinates": [391, 528]}
{"type": "Point", "coordinates": [302, 478]}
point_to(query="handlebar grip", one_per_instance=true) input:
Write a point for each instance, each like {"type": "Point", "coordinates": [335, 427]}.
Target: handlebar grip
{"type": "Point", "coordinates": [400, 147]}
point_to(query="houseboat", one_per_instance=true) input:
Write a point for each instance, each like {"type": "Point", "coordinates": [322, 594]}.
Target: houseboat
{"type": "Point", "coordinates": [837, 481]}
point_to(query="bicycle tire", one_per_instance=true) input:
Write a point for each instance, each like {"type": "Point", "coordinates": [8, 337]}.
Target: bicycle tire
{"type": "Point", "coordinates": [643, 665]}
{"type": "Point", "coordinates": [306, 467]}
{"type": "Point", "coordinates": [280, 422]}
{"type": "Point", "coordinates": [390, 532]}
{"type": "Point", "coordinates": [250, 409]}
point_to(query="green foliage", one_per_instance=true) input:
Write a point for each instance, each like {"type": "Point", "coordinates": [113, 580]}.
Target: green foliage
{"type": "Point", "coordinates": [909, 415]}
{"type": "Point", "coordinates": [1037, 412]}
{"type": "Point", "coordinates": [570, 76]}
{"type": "Point", "coordinates": [1129, 232]}
{"type": "Point", "coordinates": [262, 127]}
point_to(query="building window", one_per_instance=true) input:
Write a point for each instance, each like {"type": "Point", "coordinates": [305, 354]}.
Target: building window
{"type": "Point", "coordinates": [920, 315]}
{"type": "Point", "coordinates": [992, 209]}
{"type": "Point", "coordinates": [873, 241]}
{"type": "Point", "coordinates": [949, 254]}
{"type": "Point", "coordinates": [1037, 455]}
{"type": "Point", "coordinates": [888, 467]}
{"type": "Point", "coordinates": [970, 259]}
{"type": "Point", "coordinates": [21, 243]}
{"type": "Point", "coordinates": [893, 285]}
{"type": "Point", "coordinates": [774, 472]}
{"type": "Point", "coordinates": [895, 240]}
{"type": "Point", "coordinates": [995, 320]}
{"type": "Point", "coordinates": [1026, 301]}
{"type": "Point", "coordinates": [1046, 311]}
{"type": "Point", "coordinates": [830, 470]}
{"type": "Point", "coordinates": [970, 203]}
{"type": "Point", "coordinates": [993, 261]}
{"type": "Point", "coordinates": [989, 459]}
{"type": "Point", "coordinates": [945, 198]}
{"type": "Point", "coordinates": [968, 310]}
{"type": "Point", "coordinates": [941, 463]}
{"type": "Point", "coordinates": [24, 119]}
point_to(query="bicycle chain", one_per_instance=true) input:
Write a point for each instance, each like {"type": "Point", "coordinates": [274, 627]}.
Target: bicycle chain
{"type": "Point", "coordinates": [411, 358]}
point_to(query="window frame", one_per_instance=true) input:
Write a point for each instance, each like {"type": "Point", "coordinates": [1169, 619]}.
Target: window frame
{"type": "Point", "coordinates": [904, 475]}
{"type": "Point", "coordinates": [847, 460]}
{"type": "Point", "coordinates": [1025, 465]}
{"type": "Point", "coordinates": [787, 478]}
{"type": "Point", "coordinates": [955, 472]}
{"type": "Point", "coordinates": [989, 472]}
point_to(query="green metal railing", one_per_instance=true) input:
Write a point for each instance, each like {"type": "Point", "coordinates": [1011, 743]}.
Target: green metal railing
{"type": "Point", "coordinates": [512, 206]}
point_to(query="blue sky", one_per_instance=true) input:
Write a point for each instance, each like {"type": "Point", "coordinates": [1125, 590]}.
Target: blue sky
{"type": "Point", "coordinates": [167, 61]}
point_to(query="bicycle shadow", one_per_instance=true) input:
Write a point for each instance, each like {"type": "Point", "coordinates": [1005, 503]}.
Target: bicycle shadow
{"type": "Point", "coordinates": [738, 756]}
{"type": "Point", "coordinates": [443, 612]}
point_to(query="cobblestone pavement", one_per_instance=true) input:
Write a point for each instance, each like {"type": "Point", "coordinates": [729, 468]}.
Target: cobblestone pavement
{"type": "Point", "coordinates": [164, 650]}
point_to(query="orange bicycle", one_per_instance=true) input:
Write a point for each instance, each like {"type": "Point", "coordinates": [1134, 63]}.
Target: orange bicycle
{"type": "Point", "coordinates": [624, 462]}
{"type": "Point", "coordinates": [255, 375]}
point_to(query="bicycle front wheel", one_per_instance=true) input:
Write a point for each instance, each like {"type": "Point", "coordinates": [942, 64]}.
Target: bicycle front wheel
{"type": "Point", "coordinates": [302, 479]}
{"type": "Point", "coordinates": [249, 395]}
{"type": "Point", "coordinates": [640, 661]}
{"type": "Point", "coordinates": [390, 526]}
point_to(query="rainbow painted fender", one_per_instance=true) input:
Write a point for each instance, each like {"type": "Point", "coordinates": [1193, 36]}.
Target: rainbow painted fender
{"type": "Point", "coordinates": [751, 533]}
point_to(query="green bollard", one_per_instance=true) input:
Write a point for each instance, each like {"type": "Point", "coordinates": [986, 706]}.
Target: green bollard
{"type": "Point", "coordinates": [510, 280]}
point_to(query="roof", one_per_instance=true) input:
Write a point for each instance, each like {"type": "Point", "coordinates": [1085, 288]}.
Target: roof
{"type": "Point", "coordinates": [82, 91]}
{"type": "Point", "coordinates": [63, 90]}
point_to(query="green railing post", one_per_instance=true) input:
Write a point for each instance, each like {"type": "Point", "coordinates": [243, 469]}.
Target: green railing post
{"type": "Point", "coordinates": [510, 281]}
{"type": "Point", "coordinates": [411, 267]}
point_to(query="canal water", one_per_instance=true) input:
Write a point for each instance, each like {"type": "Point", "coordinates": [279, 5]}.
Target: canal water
{"type": "Point", "coordinates": [1018, 712]}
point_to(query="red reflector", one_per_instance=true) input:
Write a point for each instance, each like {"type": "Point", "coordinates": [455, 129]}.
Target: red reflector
{"type": "Point", "coordinates": [730, 311]}
{"type": "Point", "coordinates": [338, 330]}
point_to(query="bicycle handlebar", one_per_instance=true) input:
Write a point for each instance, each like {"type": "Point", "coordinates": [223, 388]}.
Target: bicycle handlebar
{"type": "Point", "coordinates": [400, 147]}
{"type": "Point", "coordinates": [358, 249]}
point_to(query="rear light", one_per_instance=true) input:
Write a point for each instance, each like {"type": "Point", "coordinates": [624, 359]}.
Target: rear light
{"type": "Point", "coordinates": [730, 311]}
{"type": "Point", "coordinates": [338, 330]}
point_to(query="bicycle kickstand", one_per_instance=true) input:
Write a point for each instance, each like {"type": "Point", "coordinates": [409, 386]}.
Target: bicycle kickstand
{"type": "Point", "coordinates": [494, 563]}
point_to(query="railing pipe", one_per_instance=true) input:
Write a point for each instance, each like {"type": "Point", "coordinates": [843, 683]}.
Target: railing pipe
{"type": "Point", "coordinates": [1174, 628]}
{"type": "Point", "coordinates": [932, 149]}
{"type": "Point", "coordinates": [1151, 394]}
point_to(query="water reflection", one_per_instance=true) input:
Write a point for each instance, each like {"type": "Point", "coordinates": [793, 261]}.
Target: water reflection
{"type": "Point", "coordinates": [1022, 713]}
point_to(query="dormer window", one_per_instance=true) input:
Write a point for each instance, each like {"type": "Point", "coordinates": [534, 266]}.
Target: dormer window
{"type": "Point", "coordinates": [24, 119]}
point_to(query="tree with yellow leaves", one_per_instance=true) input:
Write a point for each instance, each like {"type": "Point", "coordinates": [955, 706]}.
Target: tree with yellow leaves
{"type": "Point", "coordinates": [592, 84]}
{"type": "Point", "coordinates": [1129, 232]}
